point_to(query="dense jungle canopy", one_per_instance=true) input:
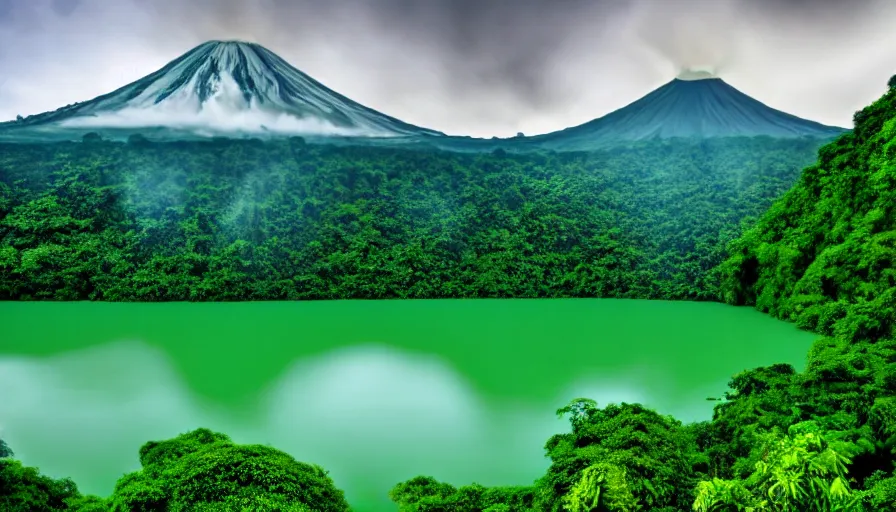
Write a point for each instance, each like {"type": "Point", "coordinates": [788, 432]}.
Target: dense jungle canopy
{"type": "Point", "coordinates": [252, 220]}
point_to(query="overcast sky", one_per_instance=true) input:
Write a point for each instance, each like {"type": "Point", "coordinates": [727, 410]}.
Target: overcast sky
{"type": "Point", "coordinates": [476, 67]}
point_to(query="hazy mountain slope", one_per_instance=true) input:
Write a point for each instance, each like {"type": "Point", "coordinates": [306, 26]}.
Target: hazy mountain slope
{"type": "Point", "coordinates": [226, 87]}
{"type": "Point", "coordinates": [824, 255]}
{"type": "Point", "coordinates": [692, 108]}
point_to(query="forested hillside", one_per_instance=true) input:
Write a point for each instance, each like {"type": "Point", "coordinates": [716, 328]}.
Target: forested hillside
{"type": "Point", "coordinates": [237, 220]}
{"type": "Point", "coordinates": [824, 255]}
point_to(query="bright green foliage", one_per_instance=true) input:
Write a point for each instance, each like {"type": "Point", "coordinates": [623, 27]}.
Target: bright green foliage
{"type": "Point", "coordinates": [238, 220]}
{"type": "Point", "coordinates": [847, 389]}
{"type": "Point", "coordinates": [24, 489]}
{"type": "Point", "coordinates": [421, 494]}
{"type": "Point", "coordinates": [602, 488]}
{"type": "Point", "coordinates": [795, 473]}
{"type": "Point", "coordinates": [88, 504]}
{"type": "Point", "coordinates": [719, 495]}
{"type": "Point", "coordinates": [655, 452]}
{"type": "Point", "coordinates": [824, 255]}
{"type": "Point", "coordinates": [252, 503]}
{"type": "Point", "coordinates": [760, 400]}
{"type": "Point", "coordinates": [881, 494]}
{"type": "Point", "coordinates": [425, 494]}
{"type": "Point", "coordinates": [160, 453]}
{"type": "Point", "coordinates": [203, 470]}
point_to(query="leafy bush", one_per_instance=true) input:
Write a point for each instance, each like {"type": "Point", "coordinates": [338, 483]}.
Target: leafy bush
{"type": "Point", "coordinates": [204, 470]}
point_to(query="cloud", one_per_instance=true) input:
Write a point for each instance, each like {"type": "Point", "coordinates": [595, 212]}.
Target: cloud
{"type": "Point", "coordinates": [703, 41]}
{"type": "Point", "coordinates": [467, 66]}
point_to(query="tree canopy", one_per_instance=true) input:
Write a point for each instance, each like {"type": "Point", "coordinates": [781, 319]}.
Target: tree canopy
{"type": "Point", "coordinates": [824, 255]}
{"type": "Point", "coordinates": [252, 220]}
{"type": "Point", "coordinates": [204, 470]}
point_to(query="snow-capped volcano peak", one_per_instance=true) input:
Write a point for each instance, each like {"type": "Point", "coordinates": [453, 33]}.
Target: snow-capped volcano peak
{"type": "Point", "coordinates": [230, 86]}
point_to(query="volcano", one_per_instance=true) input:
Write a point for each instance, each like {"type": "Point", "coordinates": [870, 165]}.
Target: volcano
{"type": "Point", "coordinates": [693, 105]}
{"type": "Point", "coordinates": [224, 88]}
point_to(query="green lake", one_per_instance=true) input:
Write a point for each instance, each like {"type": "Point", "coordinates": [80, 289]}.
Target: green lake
{"type": "Point", "coordinates": [374, 391]}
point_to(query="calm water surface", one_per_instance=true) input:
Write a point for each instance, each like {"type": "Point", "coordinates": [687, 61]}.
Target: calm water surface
{"type": "Point", "coordinates": [374, 391]}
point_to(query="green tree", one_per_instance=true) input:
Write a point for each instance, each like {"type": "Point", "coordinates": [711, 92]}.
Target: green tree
{"type": "Point", "coordinates": [204, 470]}
{"type": "Point", "coordinates": [602, 488]}
{"type": "Point", "coordinates": [24, 489]}
{"type": "Point", "coordinates": [282, 220]}
{"type": "Point", "coordinates": [655, 452]}
{"type": "Point", "coordinates": [426, 494]}
{"type": "Point", "coordinates": [5, 450]}
{"type": "Point", "coordinates": [796, 472]}
{"type": "Point", "coordinates": [824, 255]}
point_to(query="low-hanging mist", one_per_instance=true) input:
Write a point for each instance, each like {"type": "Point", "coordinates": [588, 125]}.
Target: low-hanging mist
{"type": "Point", "coordinates": [253, 220]}
{"type": "Point", "coordinates": [226, 87]}
{"type": "Point", "coordinates": [211, 120]}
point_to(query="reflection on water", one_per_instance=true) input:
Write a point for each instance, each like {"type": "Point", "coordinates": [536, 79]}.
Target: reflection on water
{"type": "Point", "coordinates": [84, 414]}
{"type": "Point", "coordinates": [370, 415]}
{"type": "Point", "coordinates": [460, 390]}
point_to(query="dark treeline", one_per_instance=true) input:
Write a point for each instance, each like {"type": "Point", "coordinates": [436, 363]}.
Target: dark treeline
{"type": "Point", "coordinates": [247, 220]}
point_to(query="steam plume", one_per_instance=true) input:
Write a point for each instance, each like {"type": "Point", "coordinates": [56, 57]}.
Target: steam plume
{"type": "Point", "coordinates": [704, 41]}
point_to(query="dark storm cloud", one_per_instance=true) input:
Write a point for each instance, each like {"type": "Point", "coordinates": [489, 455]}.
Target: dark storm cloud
{"type": "Point", "coordinates": [476, 44]}
{"type": "Point", "coordinates": [506, 44]}
{"type": "Point", "coordinates": [468, 66]}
